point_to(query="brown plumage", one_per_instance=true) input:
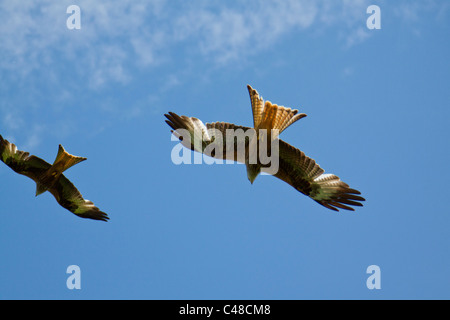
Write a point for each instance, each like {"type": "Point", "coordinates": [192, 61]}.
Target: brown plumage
{"type": "Point", "coordinates": [50, 178]}
{"type": "Point", "coordinates": [270, 116]}
{"type": "Point", "coordinates": [295, 168]}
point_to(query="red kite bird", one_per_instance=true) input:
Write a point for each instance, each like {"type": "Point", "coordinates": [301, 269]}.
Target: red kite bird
{"type": "Point", "coordinates": [296, 169]}
{"type": "Point", "coordinates": [50, 178]}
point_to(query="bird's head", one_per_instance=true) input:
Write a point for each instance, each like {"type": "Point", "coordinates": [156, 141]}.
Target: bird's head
{"type": "Point", "coordinates": [252, 171]}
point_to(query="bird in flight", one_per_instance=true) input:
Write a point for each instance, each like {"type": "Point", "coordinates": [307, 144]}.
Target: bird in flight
{"type": "Point", "coordinates": [49, 177]}
{"type": "Point", "coordinates": [219, 140]}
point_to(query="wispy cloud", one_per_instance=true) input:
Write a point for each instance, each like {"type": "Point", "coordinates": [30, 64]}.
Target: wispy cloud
{"type": "Point", "coordinates": [33, 139]}
{"type": "Point", "coordinates": [120, 40]}
{"type": "Point", "coordinates": [226, 34]}
{"type": "Point", "coordinates": [35, 37]}
{"type": "Point", "coordinates": [356, 36]}
{"type": "Point", "coordinates": [116, 37]}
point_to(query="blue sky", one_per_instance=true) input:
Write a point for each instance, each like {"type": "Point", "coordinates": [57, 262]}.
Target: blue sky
{"type": "Point", "coordinates": [378, 109]}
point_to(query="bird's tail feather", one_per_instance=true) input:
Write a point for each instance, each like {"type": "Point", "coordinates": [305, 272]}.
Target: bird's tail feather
{"type": "Point", "coordinates": [278, 118]}
{"type": "Point", "coordinates": [65, 160]}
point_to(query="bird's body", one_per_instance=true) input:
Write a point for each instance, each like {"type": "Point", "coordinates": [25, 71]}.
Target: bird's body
{"type": "Point", "coordinates": [48, 178]}
{"type": "Point", "coordinates": [292, 166]}
{"type": "Point", "coordinates": [51, 178]}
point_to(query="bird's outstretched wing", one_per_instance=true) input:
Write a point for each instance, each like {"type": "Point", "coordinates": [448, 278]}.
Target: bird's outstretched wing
{"type": "Point", "coordinates": [70, 198]}
{"type": "Point", "coordinates": [219, 140]}
{"type": "Point", "coordinates": [21, 161]}
{"type": "Point", "coordinates": [306, 176]}
{"type": "Point", "coordinates": [63, 190]}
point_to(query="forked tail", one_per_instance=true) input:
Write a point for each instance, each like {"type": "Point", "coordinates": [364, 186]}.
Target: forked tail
{"type": "Point", "coordinates": [270, 116]}
{"type": "Point", "coordinates": [65, 160]}
{"type": "Point", "coordinates": [278, 117]}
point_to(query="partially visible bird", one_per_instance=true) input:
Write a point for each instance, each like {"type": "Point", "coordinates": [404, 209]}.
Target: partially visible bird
{"type": "Point", "coordinates": [269, 120]}
{"type": "Point", "coordinates": [49, 177]}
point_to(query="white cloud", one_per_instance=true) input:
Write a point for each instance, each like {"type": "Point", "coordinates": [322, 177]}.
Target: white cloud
{"type": "Point", "coordinates": [119, 39]}
{"type": "Point", "coordinates": [226, 34]}
{"type": "Point", "coordinates": [11, 120]}
{"type": "Point", "coordinates": [116, 37]}
{"type": "Point", "coordinates": [34, 37]}
{"type": "Point", "coordinates": [356, 36]}
{"type": "Point", "coordinates": [33, 138]}
{"type": "Point", "coordinates": [49, 65]}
